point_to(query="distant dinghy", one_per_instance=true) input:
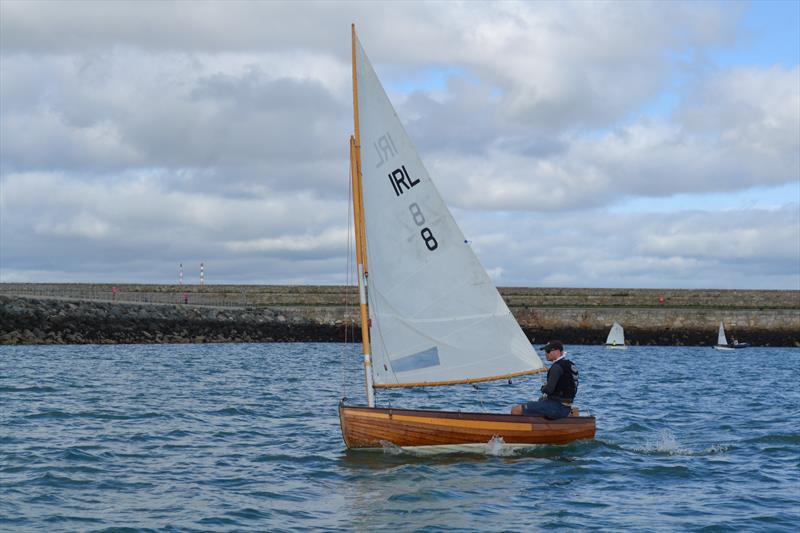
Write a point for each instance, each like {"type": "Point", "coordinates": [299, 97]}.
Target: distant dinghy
{"type": "Point", "coordinates": [723, 344]}
{"type": "Point", "coordinates": [616, 338]}
{"type": "Point", "coordinates": [430, 314]}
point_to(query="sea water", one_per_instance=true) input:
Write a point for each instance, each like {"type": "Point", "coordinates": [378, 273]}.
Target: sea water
{"type": "Point", "coordinates": [233, 437]}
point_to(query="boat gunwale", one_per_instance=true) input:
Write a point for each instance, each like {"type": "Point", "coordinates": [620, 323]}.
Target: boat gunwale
{"type": "Point", "coordinates": [468, 415]}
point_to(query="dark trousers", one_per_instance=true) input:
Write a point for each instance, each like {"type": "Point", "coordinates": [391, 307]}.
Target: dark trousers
{"type": "Point", "coordinates": [547, 408]}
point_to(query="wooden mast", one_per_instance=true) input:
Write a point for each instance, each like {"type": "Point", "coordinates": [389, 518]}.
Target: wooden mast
{"type": "Point", "coordinates": [358, 215]}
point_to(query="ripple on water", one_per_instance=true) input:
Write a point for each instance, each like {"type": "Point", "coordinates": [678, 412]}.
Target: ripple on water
{"type": "Point", "coordinates": [59, 518]}
{"type": "Point", "coordinates": [218, 521]}
{"type": "Point", "coordinates": [51, 480]}
{"type": "Point", "coordinates": [776, 438]}
{"type": "Point", "coordinates": [32, 389]}
{"type": "Point", "coordinates": [81, 454]}
{"type": "Point", "coordinates": [248, 513]}
{"type": "Point", "coordinates": [231, 411]}
{"type": "Point", "coordinates": [98, 415]}
{"type": "Point", "coordinates": [133, 530]}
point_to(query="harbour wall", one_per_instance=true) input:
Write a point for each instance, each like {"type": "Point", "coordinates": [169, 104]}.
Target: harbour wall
{"type": "Point", "coordinates": [127, 313]}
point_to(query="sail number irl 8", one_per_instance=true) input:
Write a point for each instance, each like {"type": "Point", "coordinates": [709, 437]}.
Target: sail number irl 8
{"type": "Point", "coordinates": [402, 182]}
{"type": "Point", "coordinates": [426, 233]}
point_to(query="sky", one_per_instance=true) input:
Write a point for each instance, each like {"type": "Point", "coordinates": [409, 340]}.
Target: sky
{"type": "Point", "coordinates": [578, 144]}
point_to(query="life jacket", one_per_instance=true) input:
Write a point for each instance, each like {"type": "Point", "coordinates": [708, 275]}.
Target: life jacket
{"type": "Point", "coordinates": [567, 386]}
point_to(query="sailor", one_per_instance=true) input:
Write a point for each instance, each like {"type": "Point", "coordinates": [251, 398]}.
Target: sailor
{"type": "Point", "coordinates": [560, 389]}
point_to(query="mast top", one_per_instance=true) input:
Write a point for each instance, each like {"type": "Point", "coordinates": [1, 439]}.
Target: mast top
{"type": "Point", "coordinates": [356, 128]}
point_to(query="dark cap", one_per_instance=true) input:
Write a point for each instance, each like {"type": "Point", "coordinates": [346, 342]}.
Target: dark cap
{"type": "Point", "coordinates": [553, 345]}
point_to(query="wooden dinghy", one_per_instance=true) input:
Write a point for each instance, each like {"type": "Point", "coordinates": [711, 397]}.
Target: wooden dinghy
{"type": "Point", "coordinates": [430, 314]}
{"type": "Point", "coordinates": [371, 427]}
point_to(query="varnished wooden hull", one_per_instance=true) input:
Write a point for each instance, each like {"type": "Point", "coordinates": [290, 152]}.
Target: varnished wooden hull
{"type": "Point", "coordinates": [371, 427]}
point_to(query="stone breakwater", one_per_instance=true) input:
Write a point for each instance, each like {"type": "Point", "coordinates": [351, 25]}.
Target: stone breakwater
{"type": "Point", "coordinates": [84, 313]}
{"type": "Point", "coordinates": [26, 320]}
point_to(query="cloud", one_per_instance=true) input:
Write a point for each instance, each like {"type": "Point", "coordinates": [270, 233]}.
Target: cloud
{"type": "Point", "coordinates": [755, 248]}
{"type": "Point", "coordinates": [618, 54]}
{"type": "Point", "coordinates": [122, 112]}
{"type": "Point", "coordinates": [134, 136]}
{"type": "Point", "coordinates": [332, 240]}
{"type": "Point", "coordinates": [47, 216]}
{"type": "Point", "coordinates": [741, 129]}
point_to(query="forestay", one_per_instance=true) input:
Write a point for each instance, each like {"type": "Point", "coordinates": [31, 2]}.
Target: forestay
{"type": "Point", "coordinates": [616, 337]}
{"type": "Point", "coordinates": [436, 316]}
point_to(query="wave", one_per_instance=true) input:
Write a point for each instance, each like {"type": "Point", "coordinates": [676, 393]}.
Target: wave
{"type": "Point", "coordinates": [99, 415]}
{"type": "Point", "coordinates": [49, 414]}
{"type": "Point", "coordinates": [49, 479]}
{"type": "Point", "coordinates": [776, 438]}
{"type": "Point", "coordinates": [32, 388]}
{"type": "Point", "coordinates": [249, 513]}
{"type": "Point", "coordinates": [231, 411]}
{"type": "Point", "coordinates": [79, 454]}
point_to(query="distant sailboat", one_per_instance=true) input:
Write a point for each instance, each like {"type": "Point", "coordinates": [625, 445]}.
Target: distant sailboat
{"type": "Point", "coordinates": [616, 337]}
{"type": "Point", "coordinates": [723, 344]}
{"type": "Point", "coordinates": [429, 310]}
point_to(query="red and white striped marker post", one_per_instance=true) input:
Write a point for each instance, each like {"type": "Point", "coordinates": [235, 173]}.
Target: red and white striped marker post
{"type": "Point", "coordinates": [180, 274]}
{"type": "Point", "coordinates": [202, 275]}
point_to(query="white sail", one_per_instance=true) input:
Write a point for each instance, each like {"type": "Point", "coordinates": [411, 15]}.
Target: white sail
{"type": "Point", "coordinates": [616, 337]}
{"type": "Point", "coordinates": [436, 316]}
{"type": "Point", "coordinates": [721, 340]}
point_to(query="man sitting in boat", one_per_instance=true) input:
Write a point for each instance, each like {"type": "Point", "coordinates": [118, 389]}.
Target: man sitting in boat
{"type": "Point", "coordinates": [560, 389]}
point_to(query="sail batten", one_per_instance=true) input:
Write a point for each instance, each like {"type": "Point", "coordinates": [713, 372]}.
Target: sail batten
{"type": "Point", "coordinates": [436, 316]}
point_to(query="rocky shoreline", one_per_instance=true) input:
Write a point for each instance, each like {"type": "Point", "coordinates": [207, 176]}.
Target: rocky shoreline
{"type": "Point", "coordinates": [54, 321]}
{"type": "Point", "coordinates": [30, 320]}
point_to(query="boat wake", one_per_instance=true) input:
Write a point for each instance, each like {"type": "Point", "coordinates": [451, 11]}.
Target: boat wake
{"type": "Point", "coordinates": [667, 444]}
{"type": "Point", "coordinates": [495, 447]}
